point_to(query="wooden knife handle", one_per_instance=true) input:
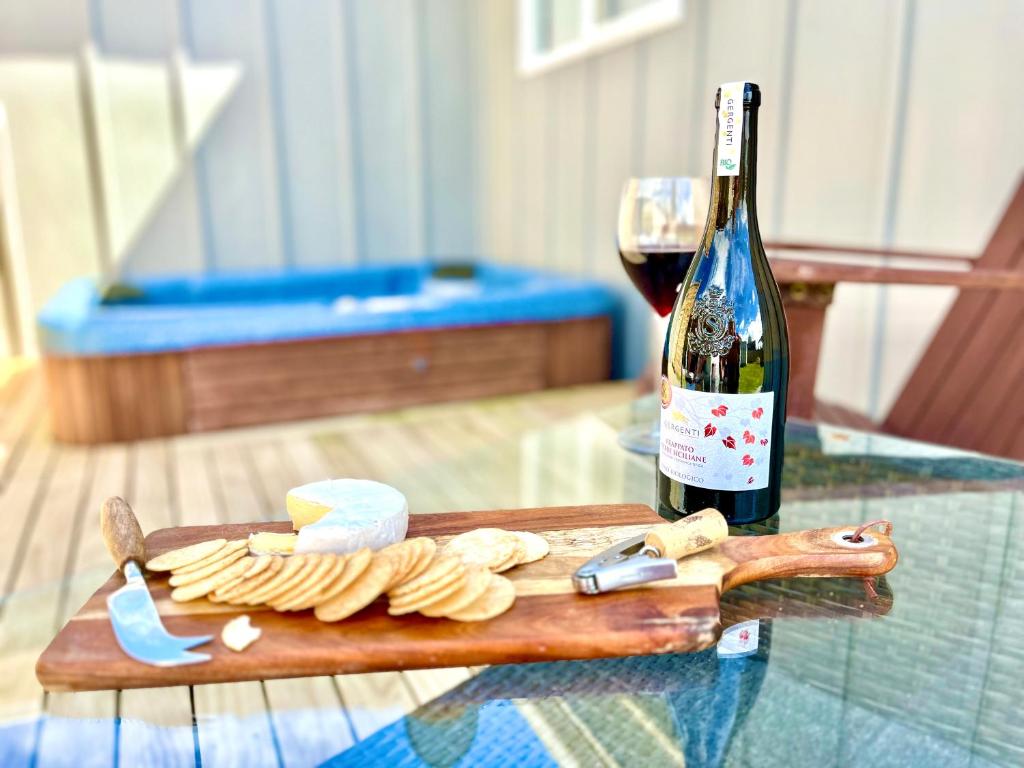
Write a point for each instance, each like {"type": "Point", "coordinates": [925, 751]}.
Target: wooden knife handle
{"type": "Point", "coordinates": [805, 553]}
{"type": "Point", "coordinates": [122, 532]}
{"type": "Point", "coordinates": [690, 535]}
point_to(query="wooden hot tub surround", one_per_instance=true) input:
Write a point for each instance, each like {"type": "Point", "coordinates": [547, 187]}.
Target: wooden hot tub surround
{"type": "Point", "coordinates": [98, 399]}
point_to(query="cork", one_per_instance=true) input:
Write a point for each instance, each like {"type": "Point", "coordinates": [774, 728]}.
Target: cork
{"type": "Point", "coordinates": [694, 533]}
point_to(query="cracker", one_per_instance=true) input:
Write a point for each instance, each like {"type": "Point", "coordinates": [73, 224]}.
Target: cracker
{"type": "Point", "coordinates": [438, 569]}
{"type": "Point", "coordinates": [231, 574]}
{"type": "Point", "coordinates": [297, 580]}
{"type": "Point", "coordinates": [366, 588]}
{"type": "Point", "coordinates": [236, 593]}
{"type": "Point", "coordinates": [409, 554]}
{"type": "Point", "coordinates": [258, 567]}
{"type": "Point", "coordinates": [427, 551]}
{"type": "Point", "coordinates": [433, 592]}
{"type": "Point", "coordinates": [179, 558]}
{"type": "Point", "coordinates": [489, 547]}
{"type": "Point", "coordinates": [517, 556]}
{"type": "Point", "coordinates": [536, 546]}
{"type": "Point", "coordinates": [184, 579]}
{"type": "Point", "coordinates": [312, 581]}
{"type": "Point", "coordinates": [293, 566]}
{"type": "Point", "coordinates": [311, 596]}
{"type": "Point", "coordinates": [355, 564]}
{"type": "Point", "coordinates": [228, 549]}
{"type": "Point", "coordinates": [477, 580]}
{"type": "Point", "coordinates": [498, 598]}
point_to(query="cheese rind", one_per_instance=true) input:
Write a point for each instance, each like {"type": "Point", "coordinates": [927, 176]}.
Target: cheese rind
{"type": "Point", "coordinates": [342, 516]}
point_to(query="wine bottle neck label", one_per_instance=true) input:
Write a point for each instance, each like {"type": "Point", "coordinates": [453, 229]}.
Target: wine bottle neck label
{"type": "Point", "coordinates": [730, 129]}
{"type": "Point", "coordinates": [716, 441]}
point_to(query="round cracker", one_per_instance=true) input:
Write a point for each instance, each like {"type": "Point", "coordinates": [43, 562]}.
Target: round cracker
{"type": "Point", "coordinates": [410, 554]}
{"type": "Point", "coordinates": [312, 581]}
{"type": "Point", "coordinates": [237, 593]}
{"type": "Point", "coordinates": [293, 565]}
{"type": "Point", "coordinates": [184, 579]}
{"type": "Point", "coordinates": [536, 546]}
{"type": "Point", "coordinates": [297, 579]}
{"type": "Point", "coordinates": [404, 555]}
{"type": "Point", "coordinates": [498, 598]}
{"type": "Point", "coordinates": [312, 595]}
{"type": "Point", "coordinates": [228, 549]}
{"type": "Point", "coordinates": [514, 559]}
{"type": "Point", "coordinates": [489, 547]}
{"type": "Point", "coordinates": [178, 558]}
{"type": "Point", "coordinates": [427, 551]}
{"type": "Point", "coordinates": [259, 567]}
{"type": "Point", "coordinates": [366, 588]}
{"type": "Point", "coordinates": [438, 569]}
{"type": "Point", "coordinates": [477, 580]}
{"type": "Point", "coordinates": [429, 594]}
{"type": "Point", "coordinates": [231, 574]}
{"type": "Point", "coordinates": [355, 564]}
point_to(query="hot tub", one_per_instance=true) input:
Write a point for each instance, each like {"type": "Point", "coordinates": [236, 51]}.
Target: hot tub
{"type": "Point", "coordinates": [163, 356]}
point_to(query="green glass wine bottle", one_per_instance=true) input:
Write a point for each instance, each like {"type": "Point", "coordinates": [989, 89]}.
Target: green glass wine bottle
{"type": "Point", "coordinates": [725, 369]}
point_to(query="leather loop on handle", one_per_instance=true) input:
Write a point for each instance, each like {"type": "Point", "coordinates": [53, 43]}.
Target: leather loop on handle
{"type": "Point", "coordinates": [693, 533]}
{"type": "Point", "coordinates": [121, 532]}
{"type": "Point", "coordinates": [805, 553]}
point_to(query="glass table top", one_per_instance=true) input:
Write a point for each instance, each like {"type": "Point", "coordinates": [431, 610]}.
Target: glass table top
{"type": "Point", "coordinates": [925, 673]}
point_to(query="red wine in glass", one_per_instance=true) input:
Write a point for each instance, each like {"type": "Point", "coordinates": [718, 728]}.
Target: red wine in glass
{"type": "Point", "coordinates": [657, 273]}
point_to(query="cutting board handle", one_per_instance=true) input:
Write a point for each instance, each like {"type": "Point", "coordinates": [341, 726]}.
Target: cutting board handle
{"type": "Point", "coordinates": [122, 532]}
{"type": "Point", "coordinates": [820, 552]}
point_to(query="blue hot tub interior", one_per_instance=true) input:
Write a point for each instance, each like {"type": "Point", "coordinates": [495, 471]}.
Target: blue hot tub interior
{"type": "Point", "coordinates": [173, 313]}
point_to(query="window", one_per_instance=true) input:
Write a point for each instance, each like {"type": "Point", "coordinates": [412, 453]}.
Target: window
{"type": "Point", "coordinates": [553, 32]}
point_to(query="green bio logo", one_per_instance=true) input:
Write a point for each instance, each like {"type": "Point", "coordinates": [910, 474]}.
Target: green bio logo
{"type": "Point", "coordinates": [729, 165]}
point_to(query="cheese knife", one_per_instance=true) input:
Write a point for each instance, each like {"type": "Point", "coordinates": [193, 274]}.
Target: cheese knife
{"type": "Point", "coordinates": [133, 615]}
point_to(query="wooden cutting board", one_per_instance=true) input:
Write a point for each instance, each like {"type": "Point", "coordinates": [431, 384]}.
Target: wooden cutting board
{"type": "Point", "coordinates": [548, 621]}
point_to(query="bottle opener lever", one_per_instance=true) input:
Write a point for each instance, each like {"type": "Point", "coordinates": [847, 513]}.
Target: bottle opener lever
{"type": "Point", "coordinates": [625, 564]}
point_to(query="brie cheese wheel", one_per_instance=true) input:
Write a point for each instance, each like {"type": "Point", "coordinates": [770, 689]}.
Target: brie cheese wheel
{"type": "Point", "coordinates": [342, 516]}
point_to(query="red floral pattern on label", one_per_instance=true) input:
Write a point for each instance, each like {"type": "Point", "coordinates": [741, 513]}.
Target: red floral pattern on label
{"type": "Point", "coordinates": [700, 433]}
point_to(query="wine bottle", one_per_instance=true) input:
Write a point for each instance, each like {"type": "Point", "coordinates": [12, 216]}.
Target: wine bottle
{"type": "Point", "coordinates": [725, 369]}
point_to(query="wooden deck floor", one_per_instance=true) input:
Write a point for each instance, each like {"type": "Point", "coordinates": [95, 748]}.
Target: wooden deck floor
{"type": "Point", "coordinates": [52, 558]}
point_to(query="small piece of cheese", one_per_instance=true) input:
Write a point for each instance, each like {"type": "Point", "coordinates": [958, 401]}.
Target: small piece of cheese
{"type": "Point", "coordinates": [342, 516]}
{"type": "Point", "coordinates": [238, 634]}
{"type": "Point", "coordinates": [267, 543]}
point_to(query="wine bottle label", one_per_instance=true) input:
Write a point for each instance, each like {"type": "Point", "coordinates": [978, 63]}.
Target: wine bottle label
{"type": "Point", "coordinates": [730, 129]}
{"type": "Point", "coordinates": [714, 441]}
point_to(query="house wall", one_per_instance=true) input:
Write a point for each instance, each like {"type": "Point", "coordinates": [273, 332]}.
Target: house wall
{"type": "Point", "coordinates": [367, 130]}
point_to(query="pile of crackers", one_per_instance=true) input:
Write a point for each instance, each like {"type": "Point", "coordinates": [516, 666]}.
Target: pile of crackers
{"type": "Point", "coordinates": [459, 582]}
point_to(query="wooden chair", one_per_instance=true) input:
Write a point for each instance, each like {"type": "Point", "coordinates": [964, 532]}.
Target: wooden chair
{"type": "Point", "coordinates": [964, 391]}
{"type": "Point", "coordinates": [967, 389]}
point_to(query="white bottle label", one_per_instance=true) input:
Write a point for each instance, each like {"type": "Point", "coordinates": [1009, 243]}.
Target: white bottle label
{"type": "Point", "coordinates": [730, 129]}
{"type": "Point", "coordinates": [718, 442]}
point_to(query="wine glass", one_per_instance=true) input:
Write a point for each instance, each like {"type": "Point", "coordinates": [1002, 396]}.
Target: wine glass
{"type": "Point", "coordinates": [661, 221]}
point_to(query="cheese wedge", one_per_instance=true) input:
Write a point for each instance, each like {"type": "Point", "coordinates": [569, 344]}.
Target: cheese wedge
{"type": "Point", "coordinates": [266, 543]}
{"type": "Point", "coordinates": [342, 516]}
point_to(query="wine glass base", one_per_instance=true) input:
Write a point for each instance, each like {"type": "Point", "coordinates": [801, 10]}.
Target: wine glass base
{"type": "Point", "coordinates": [644, 439]}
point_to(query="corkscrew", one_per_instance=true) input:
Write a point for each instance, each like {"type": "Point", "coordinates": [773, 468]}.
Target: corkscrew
{"type": "Point", "coordinates": [650, 556]}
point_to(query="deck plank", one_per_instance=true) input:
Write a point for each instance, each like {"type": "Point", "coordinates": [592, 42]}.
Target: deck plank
{"type": "Point", "coordinates": [309, 719]}
{"type": "Point", "coordinates": [375, 700]}
{"type": "Point", "coordinates": [234, 726]}
{"type": "Point", "coordinates": [156, 724]}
